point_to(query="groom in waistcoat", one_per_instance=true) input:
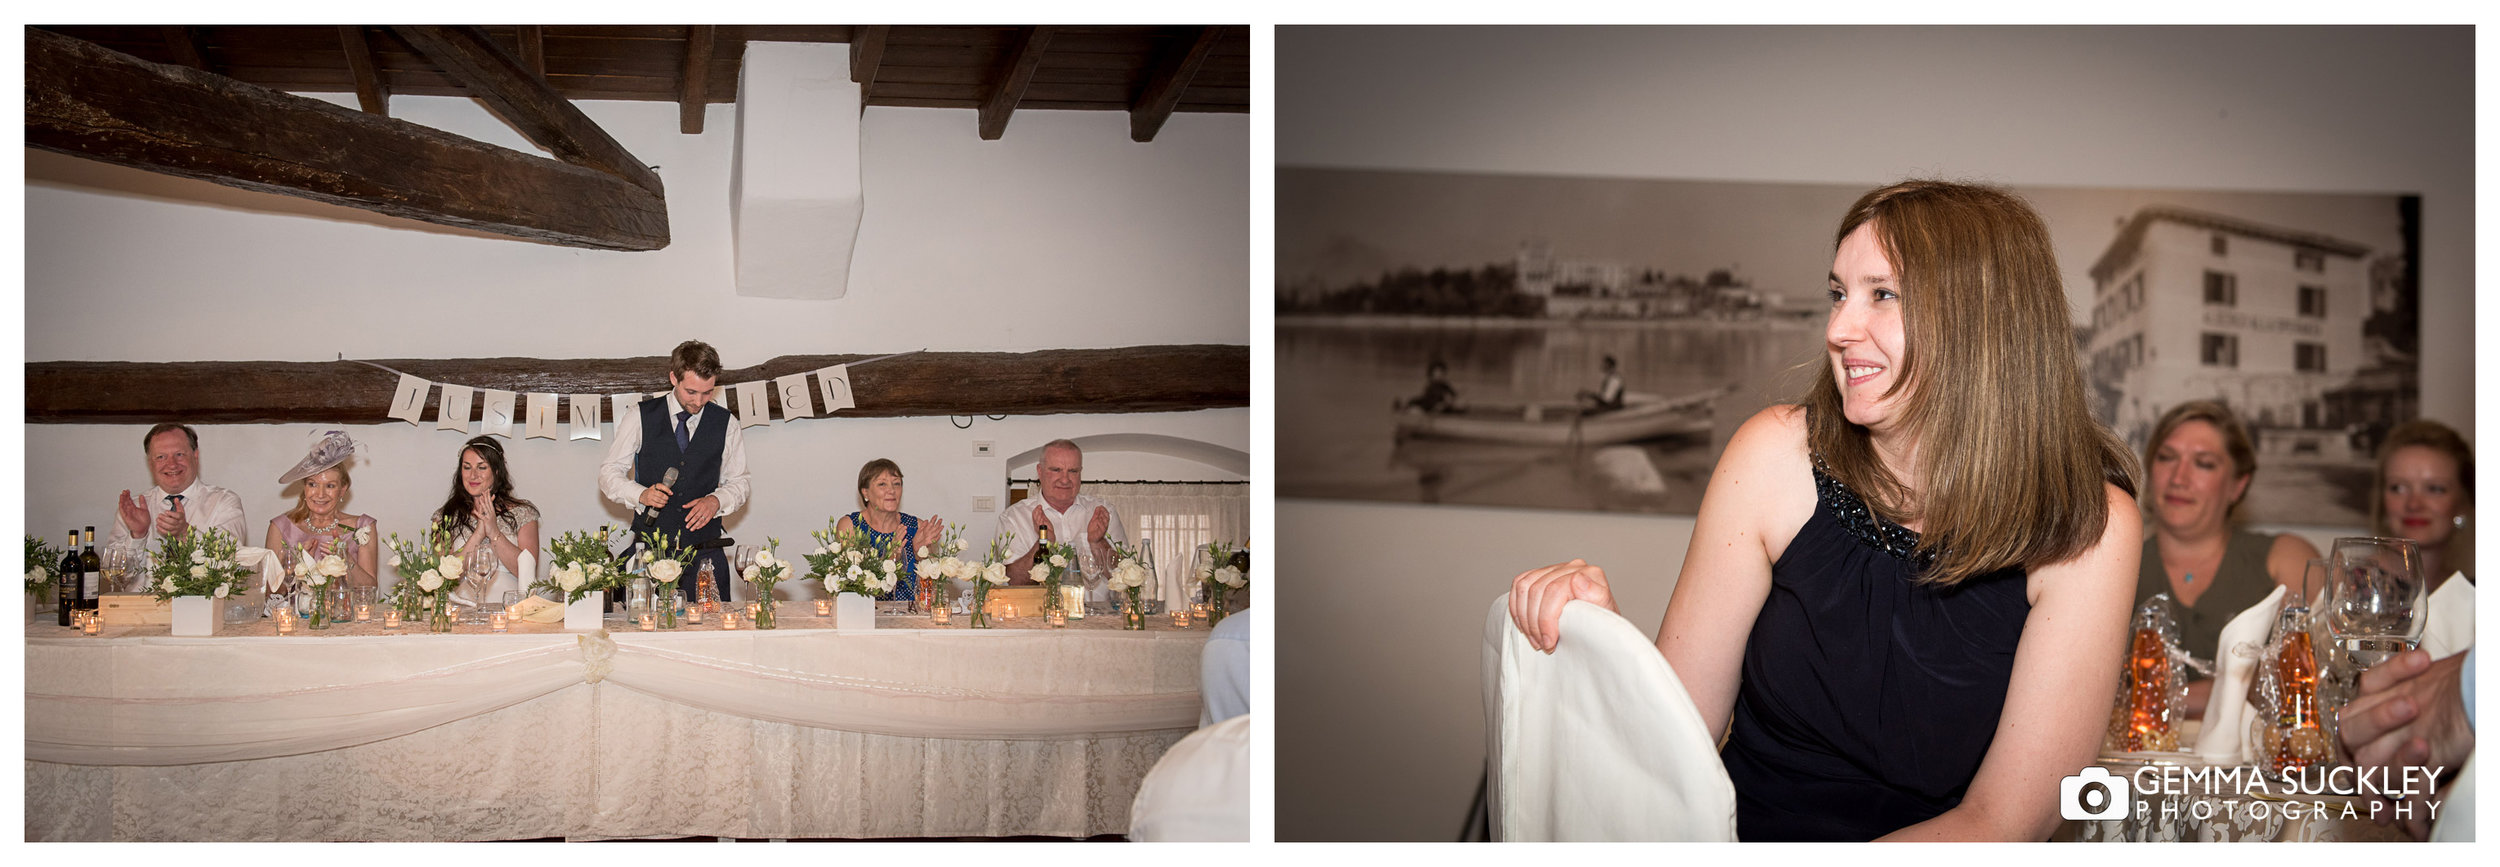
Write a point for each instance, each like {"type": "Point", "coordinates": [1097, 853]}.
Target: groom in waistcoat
{"type": "Point", "coordinates": [691, 433]}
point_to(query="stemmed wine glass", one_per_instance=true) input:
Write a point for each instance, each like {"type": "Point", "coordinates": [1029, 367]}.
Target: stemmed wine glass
{"type": "Point", "coordinates": [2376, 597]}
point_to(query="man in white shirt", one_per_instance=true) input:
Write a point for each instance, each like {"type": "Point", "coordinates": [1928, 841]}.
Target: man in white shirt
{"type": "Point", "coordinates": [179, 501]}
{"type": "Point", "coordinates": [1074, 518]}
{"type": "Point", "coordinates": [691, 434]}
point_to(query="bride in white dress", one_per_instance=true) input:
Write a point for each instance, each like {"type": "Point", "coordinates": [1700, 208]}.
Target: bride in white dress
{"type": "Point", "coordinates": [492, 528]}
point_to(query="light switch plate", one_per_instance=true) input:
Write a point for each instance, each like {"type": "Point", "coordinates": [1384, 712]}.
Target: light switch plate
{"type": "Point", "coordinates": [985, 504]}
{"type": "Point", "coordinates": [983, 448]}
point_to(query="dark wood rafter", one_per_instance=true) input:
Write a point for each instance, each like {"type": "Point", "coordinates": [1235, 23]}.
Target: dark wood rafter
{"type": "Point", "coordinates": [1013, 80]}
{"type": "Point", "coordinates": [184, 43]}
{"type": "Point", "coordinates": [533, 44]}
{"type": "Point", "coordinates": [1162, 93]}
{"type": "Point", "coordinates": [1131, 379]}
{"type": "Point", "coordinates": [540, 114]}
{"type": "Point", "coordinates": [867, 51]}
{"type": "Point", "coordinates": [88, 101]}
{"type": "Point", "coordinates": [372, 92]}
{"type": "Point", "coordinates": [691, 85]}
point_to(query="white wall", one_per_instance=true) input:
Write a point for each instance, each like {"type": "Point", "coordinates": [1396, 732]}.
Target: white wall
{"type": "Point", "coordinates": [1064, 234]}
{"type": "Point", "coordinates": [1380, 731]}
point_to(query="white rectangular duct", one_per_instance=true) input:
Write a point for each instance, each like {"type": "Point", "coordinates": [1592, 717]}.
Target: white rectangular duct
{"type": "Point", "coordinates": [794, 185]}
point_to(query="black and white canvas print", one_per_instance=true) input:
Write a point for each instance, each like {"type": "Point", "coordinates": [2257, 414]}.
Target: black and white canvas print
{"type": "Point", "coordinates": [2298, 310]}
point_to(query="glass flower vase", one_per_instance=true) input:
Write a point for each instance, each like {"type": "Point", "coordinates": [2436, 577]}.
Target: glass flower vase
{"type": "Point", "coordinates": [1133, 617]}
{"type": "Point", "coordinates": [319, 615]}
{"type": "Point", "coordinates": [1219, 603]}
{"type": "Point", "coordinates": [1054, 605]}
{"type": "Point", "coordinates": [440, 619]}
{"type": "Point", "coordinates": [664, 604]}
{"type": "Point", "coordinates": [980, 618]}
{"type": "Point", "coordinates": [764, 610]}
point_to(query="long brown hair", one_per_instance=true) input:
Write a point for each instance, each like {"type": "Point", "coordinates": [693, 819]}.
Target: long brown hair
{"type": "Point", "coordinates": [2010, 460]}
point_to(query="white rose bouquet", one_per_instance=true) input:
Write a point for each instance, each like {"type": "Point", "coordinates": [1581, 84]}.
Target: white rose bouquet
{"type": "Point", "coordinates": [581, 565]}
{"type": "Point", "coordinates": [940, 562]}
{"type": "Point", "coordinates": [42, 562]}
{"type": "Point", "coordinates": [989, 573]}
{"type": "Point", "coordinates": [1056, 559]}
{"type": "Point", "coordinates": [428, 573]}
{"type": "Point", "coordinates": [1220, 578]}
{"type": "Point", "coordinates": [1129, 577]}
{"type": "Point", "coordinates": [664, 559]}
{"type": "Point", "coordinates": [848, 563]}
{"type": "Point", "coordinates": [766, 571]}
{"type": "Point", "coordinates": [198, 564]}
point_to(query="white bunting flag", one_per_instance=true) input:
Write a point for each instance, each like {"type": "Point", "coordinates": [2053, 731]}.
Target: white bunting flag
{"type": "Point", "coordinates": [796, 402]}
{"type": "Point", "coordinates": [541, 416]}
{"type": "Point", "coordinates": [497, 419]}
{"type": "Point", "coordinates": [752, 403]}
{"type": "Point", "coordinates": [585, 417]}
{"type": "Point", "coordinates": [409, 402]}
{"type": "Point", "coordinates": [622, 407]}
{"type": "Point", "coordinates": [453, 412]}
{"type": "Point", "coordinates": [835, 384]}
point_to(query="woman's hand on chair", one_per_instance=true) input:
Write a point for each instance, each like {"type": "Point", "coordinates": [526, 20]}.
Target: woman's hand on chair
{"type": "Point", "coordinates": [1537, 597]}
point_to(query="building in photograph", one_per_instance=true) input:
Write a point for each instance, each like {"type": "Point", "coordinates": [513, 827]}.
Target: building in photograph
{"type": "Point", "coordinates": [2190, 305]}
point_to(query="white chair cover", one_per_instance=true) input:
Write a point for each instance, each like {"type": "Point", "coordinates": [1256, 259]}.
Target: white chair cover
{"type": "Point", "coordinates": [1597, 741]}
{"type": "Point", "coordinates": [2451, 627]}
{"type": "Point", "coordinates": [2224, 736]}
{"type": "Point", "coordinates": [1199, 792]}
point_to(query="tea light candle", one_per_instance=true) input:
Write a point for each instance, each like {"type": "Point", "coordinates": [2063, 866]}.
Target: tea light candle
{"type": "Point", "coordinates": [390, 618]}
{"type": "Point", "coordinates": [1056, 618]}
{"type": "Point", "coordinates": [90, 623]}
{"type": "Point", "coordinates": [1180, 617]}
{"type": "Point", "coordinates": [286, 620]}
{"type": "Point", "coordinates": [939, 615]}
{"type": "Point", "coordinates": [729, 619]}
{"type": "Point", "coordinates": [648, 621]}
{"type": "Point", "coordinates": [824, 608]}
{"type": "Point", "coordinates": [364, 611]}
{"type": "Point", "coordinates": [694, 614]}
{"type": "Point", "coordinates": [1198, 610]}
{"type": "Point", "coordinates": [752, 608]}
{"type": "Point", "coordinates": [1010, 613]}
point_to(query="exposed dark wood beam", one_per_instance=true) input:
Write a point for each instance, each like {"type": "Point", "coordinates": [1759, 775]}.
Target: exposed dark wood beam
{"type": "Point", "coordinates": [1162, 93]}
{"type": "Point", "coordinates": [1129, 379]}
{"type": "Point", "coordinates": [867, 51]}
{"type": "Point", "coordinates": [371, 91]}
{"type": "Point", "coordinates": [184, 42]}
{"type": "Point", "coordinates": [89, 101]}
{"type": "Point", "coordinates": [525, 101]}
{"type": "Point", "coordinates": [533, 41]}
{"type": "Point", "coordinates": [1017, 76]}
{"type": "Point", "coordinates": [690, 85]}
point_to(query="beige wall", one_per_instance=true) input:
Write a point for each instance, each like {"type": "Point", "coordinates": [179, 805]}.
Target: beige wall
{"type": "Point", "coordinates": [1379, 727]}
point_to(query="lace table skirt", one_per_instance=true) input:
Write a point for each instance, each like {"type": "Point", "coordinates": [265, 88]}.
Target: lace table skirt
{"type": "Point", "coordinates": [789, 733]}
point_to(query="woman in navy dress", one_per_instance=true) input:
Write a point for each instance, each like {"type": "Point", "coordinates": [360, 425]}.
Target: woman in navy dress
{"type": "Point", "coordinates": [1905, 601]}
{"type": "Point", "coordinates": [881, 514]}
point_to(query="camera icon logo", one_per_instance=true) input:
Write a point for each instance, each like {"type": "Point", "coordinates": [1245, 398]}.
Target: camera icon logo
{"type": "Point", "coordinates": [2094, 794]}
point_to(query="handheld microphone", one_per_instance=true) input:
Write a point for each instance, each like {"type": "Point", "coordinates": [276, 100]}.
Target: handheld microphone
{"type": "Point", "coordinates": [644, 515]}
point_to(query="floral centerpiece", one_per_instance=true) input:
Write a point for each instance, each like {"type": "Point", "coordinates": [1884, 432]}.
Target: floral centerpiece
{"type": "Point", "coordinates": [43, 566]}
{"type": "Point", "coordinates": [1129, 578]}
{"type": "Point", "coordinates": [1220, 579]}
{"type": "Point", "coordinates": [664, 559]}
{"type": "Point", "coordinates": [317, 574]}
{"type": "Point", "coordinates": [200, 563]}
{"type": "Point", "coordinates": [935, 571]}
{"type": "Point", "coordinates": [766, 571]}
{"type": "Point", "coordinates": [581, 565]}
{"type": "Point", "coordinates": [988, 574]}
{"type": "Point", "coordinates": [1053, 565]}
{"type": "Point", "coordinates": [849, 563]}
{"type": "Point", "coordinates": [429, 573]}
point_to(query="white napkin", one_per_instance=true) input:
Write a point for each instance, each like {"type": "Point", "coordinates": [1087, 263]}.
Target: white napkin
{"type": "Point", "coordinates": [1598, 740]}
{"type": "Point", "coordinates": [2227, 710]}
{"type": "Point", "coordinates": [272, 572]}
{"type": "Point", "coordinates": [529, 571]}
{"type": "Point", "coordinates": [2450, 629]}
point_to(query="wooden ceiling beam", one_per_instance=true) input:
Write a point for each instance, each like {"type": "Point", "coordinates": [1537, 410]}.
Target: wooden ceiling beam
{"type": "Point", "coordinates": [691, 85]}
{"type": "Point", "coordinates": [372, 92]}
{"type": "Point", "coordinates": [525, 101]}
{"type": "Point", "coordinates": [533, 42]}
{"type": "Point", "coordinates": [867, 51]}
{"type": "Point", "coordinates": [1163, 89]}
{"type": "Point", "coordinates": [1171, 378]}
{"type": "Point", "coordinates": [1018, 75]}
{"type": "Point", "coordinates": [89, 101]}
{"type": "Point", "coordinates": [184, 42]}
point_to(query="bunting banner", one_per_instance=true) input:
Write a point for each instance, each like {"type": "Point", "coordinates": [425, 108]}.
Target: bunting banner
{"type": "Point", "coordinates": [749, 403]}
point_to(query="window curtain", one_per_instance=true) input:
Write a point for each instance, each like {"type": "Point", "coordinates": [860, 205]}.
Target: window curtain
{"type": "Point", "coordinates": [1179, 519]}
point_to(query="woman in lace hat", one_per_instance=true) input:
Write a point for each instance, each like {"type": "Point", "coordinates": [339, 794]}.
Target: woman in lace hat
{"type": "Point", "coordinates": [490, 527]}
{"type": "Point", "coordinates": [1905, 601]}
{"type": "Point", "coordinates": [319, 524]}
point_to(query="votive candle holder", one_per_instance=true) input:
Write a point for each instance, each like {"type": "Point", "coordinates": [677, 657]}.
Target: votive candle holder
{"type": "Point", "coordinates": [1180, 618]}
{"type": "Point", "coordinates": [390, 618]}
{"type": "Point", "coordinates": [824, 608]}
{"type": "Point", "coordinates": [938, 615]}
{"type": "Point", "coordinates": [497, 621]}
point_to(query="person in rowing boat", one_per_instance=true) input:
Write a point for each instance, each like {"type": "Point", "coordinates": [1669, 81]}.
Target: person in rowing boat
{"type": "Point", "coordinates": [1438, 396]}
{"type": "Point", "coordinates": [1609, 393]}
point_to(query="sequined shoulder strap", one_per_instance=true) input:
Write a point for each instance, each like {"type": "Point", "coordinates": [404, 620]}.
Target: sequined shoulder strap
{"type": "Point", "coordinates": [1851, 511]}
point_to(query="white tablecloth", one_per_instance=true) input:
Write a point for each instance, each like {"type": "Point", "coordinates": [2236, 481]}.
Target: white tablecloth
{"type": "Point", "coordinates": [789, 733]}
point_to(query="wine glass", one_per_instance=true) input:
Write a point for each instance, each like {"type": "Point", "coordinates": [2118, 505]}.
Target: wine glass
{"type": "Point", "coordinates": [2376, 598]}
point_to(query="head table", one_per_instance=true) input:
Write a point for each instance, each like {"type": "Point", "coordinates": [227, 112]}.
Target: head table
{"type": "Point", "coordinates": [361, 733]}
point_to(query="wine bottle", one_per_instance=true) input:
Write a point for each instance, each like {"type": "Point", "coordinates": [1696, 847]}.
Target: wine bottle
{"type": "Point", "coordinates": [91, 581]}
{"type": "Point", "coordinates": [65, 585]}
{"type": "Point", "coordinates": [1041, 549]}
